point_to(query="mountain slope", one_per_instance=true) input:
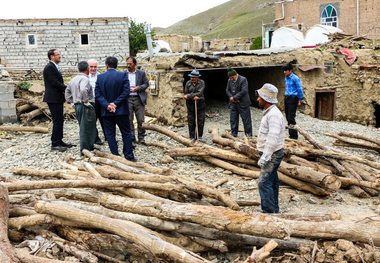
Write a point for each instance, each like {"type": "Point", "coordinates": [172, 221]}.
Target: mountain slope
{"type": "Point", "coordinates": [236, 18]}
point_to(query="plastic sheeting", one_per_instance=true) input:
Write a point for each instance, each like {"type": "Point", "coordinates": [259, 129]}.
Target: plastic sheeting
{"type": "Point", "coordinates": [287, 37]}
{"type": "Point", "coordinates": [318, 34]}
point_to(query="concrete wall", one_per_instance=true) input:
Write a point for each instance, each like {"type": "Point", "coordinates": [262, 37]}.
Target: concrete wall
{"type": "Point", "coordinates": [7, 100]}
{"type": "Point", "coordinates": [106, 37]}
{"type": "Point", "coordinates": [308, 12]}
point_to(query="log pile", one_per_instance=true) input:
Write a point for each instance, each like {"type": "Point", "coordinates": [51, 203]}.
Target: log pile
{"type": "Point", "coordinates": [106, 208]}
{"type": "Point", "coordinates": [308, 167]}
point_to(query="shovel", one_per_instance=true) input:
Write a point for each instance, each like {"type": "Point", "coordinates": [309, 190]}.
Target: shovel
{"type": "Point", "coordinates": [196, 118]}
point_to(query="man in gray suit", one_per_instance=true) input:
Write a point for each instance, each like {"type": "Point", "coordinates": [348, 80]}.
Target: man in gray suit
{"type": "Point", "coordinates": [239, 102]}
{"type": "Point", "coordinates": [137, 98]}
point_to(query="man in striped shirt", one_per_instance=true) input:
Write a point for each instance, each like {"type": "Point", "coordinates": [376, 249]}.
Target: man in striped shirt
{"type": "Point", "coordinates": [270, 145]}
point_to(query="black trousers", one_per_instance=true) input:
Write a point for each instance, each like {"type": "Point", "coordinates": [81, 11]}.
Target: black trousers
{"type": "Point", "coordinates": [136, 108]}
{"type": "Point", "coordinates": [291, 104]}
{"type": "Point", "coordinates": [56, 111]}
{"type": "Point", "coordinates": [98, 107]}
{"type": "Point", "coordinates": [191, 120]}
{"type": "Point", "coordinates": [245, 113]}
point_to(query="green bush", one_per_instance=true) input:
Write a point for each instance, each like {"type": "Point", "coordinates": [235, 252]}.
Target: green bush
{"type": "Point", "coordinates": [24, 85]}
{"type": "Point", "coordinates": [257, 43]}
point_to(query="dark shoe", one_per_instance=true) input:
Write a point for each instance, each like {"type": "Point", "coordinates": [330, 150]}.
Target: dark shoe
{"type": "Point", "coordinates": [142, 141]}
{"type": "Point", "coordinates": [59, 148]}
{"type": "Point", "coordinates": [67, 145]}
{"type": "Point", "coordinates": [132, 160]}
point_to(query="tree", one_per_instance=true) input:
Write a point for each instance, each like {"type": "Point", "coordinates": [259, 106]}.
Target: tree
{"type": "Point", "coordinates": [137, 38]}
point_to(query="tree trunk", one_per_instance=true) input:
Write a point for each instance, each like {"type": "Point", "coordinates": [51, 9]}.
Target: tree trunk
{"type": "Point", "coordinates": [129, 230]}
{"type": "Point", "coordinates": [24, 129]}
{"type": "Point", "coordinates": [264, 252]}
{"type": "Point", "coordinates": [7, 254]}
{"type": "Point", "coordinates": [328, 181]}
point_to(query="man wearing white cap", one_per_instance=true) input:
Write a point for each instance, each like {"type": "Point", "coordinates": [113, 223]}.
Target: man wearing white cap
{"type": "Point", "coordinates": [270, 145]}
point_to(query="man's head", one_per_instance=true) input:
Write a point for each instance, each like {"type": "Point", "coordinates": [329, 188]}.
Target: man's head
{"type": "Point", "coordinates": [111, 62]}
{"type": "Point", "coordinates": [288, 69]}
{"type": "Point", "coordinates": [54, 55]}
{"type": "Point", "coordinates": [83, 67]}
{"type": "Point", "coordinates": [131, 64]}
{"type": "Point", "coordinates": [267, 95]}
{"type": "Point", "coordinates": [93, 65]}
{"type": "Point", "coordinates": [232, 74]}
{"type": "Point", "coordinates": [194, 75]}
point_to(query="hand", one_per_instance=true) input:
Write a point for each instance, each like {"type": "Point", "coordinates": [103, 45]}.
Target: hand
{"type": "Point", "coordinates": [262, 162]}
{"type": "Point", "coordinates": [134, 88]}
{"type": "Point", "coordinates": [185, 97]}
{"type": "Point", "coordinates": [196, 98]}
{"type": "Point", "coordinates": [299, 102]}
{"type": "Point", "coordinates": [111, 107]}
{"type": "Point", "coordinates": [232, 100]}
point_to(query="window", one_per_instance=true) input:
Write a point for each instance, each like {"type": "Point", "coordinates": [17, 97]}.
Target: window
{"type": "Point", "coordinates": [84, 39]}
{"type": "Point", "coordinates": [329, 16]}
{"type": "Point", "coordinates": [31, 40]}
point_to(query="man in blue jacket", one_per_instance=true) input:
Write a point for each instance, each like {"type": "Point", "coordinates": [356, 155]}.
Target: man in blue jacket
{"type": "Point", "coordinates": [112, 92]}
{"type": "Point", "coordinates": [293, 98]}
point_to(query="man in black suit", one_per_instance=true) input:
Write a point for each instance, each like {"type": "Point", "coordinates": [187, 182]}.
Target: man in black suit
{"type": "Point", "coordinates": [112, 91]}
{"type": "Point", "coordinates": [55, 97]}
{"type": "Point", "coordinates": [137, 98]}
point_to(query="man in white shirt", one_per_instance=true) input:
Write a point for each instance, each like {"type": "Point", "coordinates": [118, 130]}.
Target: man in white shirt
{"type": "Point", "coordinates": [270, 145]}
{"type": "Point", "coordinates": [93, 64]}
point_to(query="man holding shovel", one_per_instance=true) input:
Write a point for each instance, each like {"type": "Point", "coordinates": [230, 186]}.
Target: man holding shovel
{"type": "Point", "coordinates": [195, 103]}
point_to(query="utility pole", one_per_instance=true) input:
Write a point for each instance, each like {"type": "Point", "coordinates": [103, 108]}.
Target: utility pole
{"type": "Point", "coordinates": [149, 39]}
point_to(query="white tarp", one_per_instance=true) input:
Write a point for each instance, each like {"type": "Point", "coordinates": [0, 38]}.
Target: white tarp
{"type": "Point", "coordinates": [318, 34]}
{"type": "Point", "coordinates": [161, 46]}
{"type": "Point", "coordinates": [286, 37]}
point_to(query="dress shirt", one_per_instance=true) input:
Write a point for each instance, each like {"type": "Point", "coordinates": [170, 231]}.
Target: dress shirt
{"type": "Point", "coordinates": [132, 81]}
{"type": "Point", "coordinates": [293, 86]}
{"type": "Point", "coordinates": [79, 90]}
{"type": "Point", "coordinates": [271, 135]}
{"type": "Point", "coordinates": [92, 78]}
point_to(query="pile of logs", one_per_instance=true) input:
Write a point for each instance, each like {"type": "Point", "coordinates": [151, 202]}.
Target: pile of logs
{"type": "Point", "coordinates": [110, 209]}
{"type": "Point", "coordinates": [309, 167]}
{"type": "Point", "coordinates": [355, 140]}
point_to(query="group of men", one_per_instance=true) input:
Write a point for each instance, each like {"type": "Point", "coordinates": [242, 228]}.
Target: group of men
{"type": "Point", "coordinates": [271, 133]}
{"type": "Point", "coordinates": [113, 97]}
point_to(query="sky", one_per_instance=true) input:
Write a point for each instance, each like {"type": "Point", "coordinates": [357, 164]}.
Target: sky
{"type": "Point", "coordinates": [158, 13]}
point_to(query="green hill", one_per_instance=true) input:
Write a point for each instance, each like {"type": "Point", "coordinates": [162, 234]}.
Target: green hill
{"type": "Point", "coordinates": [236, 18]}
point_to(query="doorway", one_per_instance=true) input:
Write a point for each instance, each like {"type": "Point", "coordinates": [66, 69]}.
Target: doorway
{"type": "Point", "coordinates": [325, 104]}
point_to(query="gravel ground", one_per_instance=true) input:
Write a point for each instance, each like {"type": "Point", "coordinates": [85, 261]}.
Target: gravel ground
{"type": "Point", "coordinates": [33, 150]}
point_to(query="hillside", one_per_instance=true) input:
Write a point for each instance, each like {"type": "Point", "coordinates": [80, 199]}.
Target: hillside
{"type": "Point", "coordinates": [236, 18]}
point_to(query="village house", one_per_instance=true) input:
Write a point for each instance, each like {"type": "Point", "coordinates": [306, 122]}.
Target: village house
{"type": "Point", "coordinates": [25, 42]}
{"type": "Point", "coordinates": [354, 17]}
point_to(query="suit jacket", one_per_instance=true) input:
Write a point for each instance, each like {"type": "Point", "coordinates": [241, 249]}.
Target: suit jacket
{"type": "Point", "coordinates": [54, 87]}
{"type": "Point", "coordinates": [142, 81]}
{"type": "Point", "coordinates": [112, 86]}
{"type": "Point", "coordinates": [239, 90]}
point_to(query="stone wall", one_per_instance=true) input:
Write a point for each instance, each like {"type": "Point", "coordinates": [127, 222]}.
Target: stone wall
{"type": "Point", "coordinates": [308, 12]}
{"type": "Point", "coordinates": [180, 43]}
{"type": "Point", "coordinates": [231, 44]}
{"type": "Point", "coordinates": [7, 100]}
{"type": "Point", "coordinates": [356, 88]}
{"type": "Point", "coordinates": [25, 42]}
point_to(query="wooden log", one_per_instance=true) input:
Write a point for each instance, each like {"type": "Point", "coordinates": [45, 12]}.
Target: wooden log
{"type": "Point", "coordinates": [355, 143]}
{"type": "Point", "coordinates": [358, 177]}
{"type": "Point", "coordinates": [92, 171]}
{"type": "Point", "coordinates": [328, 181]}
{"type": "Point", "coordinates": [23, 108]}
{"type": "Point", "coordinates": [303, 162]}
{"type": "Point", "coordinates": [238, 146]}
{"type": "Point", "coordinates": [7, 254]}
{"type": "Point", "coordinates": [353, 181]}
{"type": "Point", "coordinates": [233, 168]}
{"type": "Point", "coordinates": [192, 229]}
{"type": "Point", "coordinates": [35, 129]}
{"type": "Point", "coordinates": [360, 136]}
{"type": "Point", "coordinates": [129, 230]}
{"type": "Point", "coordinates": [301, 185]}
{"type": "Point", "coordinates": [100, 184]}
{"type": "Point", "coordinates": [317, 217]}
{"type": "Point", "coordinates": [262, 253]}
{"type": "Point", "coordinates": [24, 257]}
{"type": "Point", "coordinates": [63, 174]}
{"type": "Point", "coordinates": [27, 117]}
{"type": "Point", "coordinates": [144, 166]}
